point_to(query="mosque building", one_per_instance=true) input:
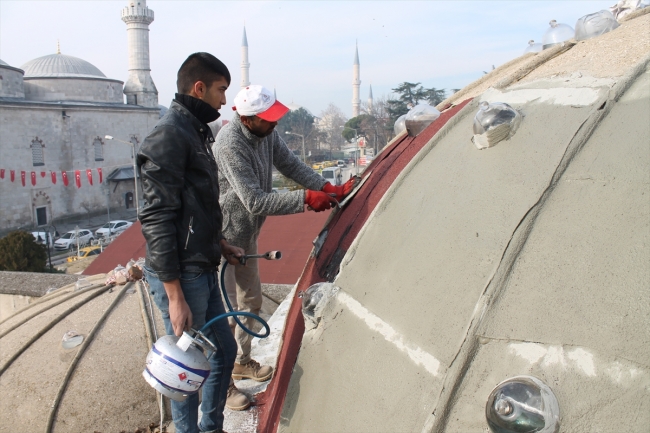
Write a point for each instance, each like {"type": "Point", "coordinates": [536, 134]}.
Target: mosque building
{"type": "Point", "coordinates": [56, 111]}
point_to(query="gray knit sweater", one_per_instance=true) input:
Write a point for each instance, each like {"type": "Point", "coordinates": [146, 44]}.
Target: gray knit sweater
{"type": "Point", "coordinates": [245, 164]}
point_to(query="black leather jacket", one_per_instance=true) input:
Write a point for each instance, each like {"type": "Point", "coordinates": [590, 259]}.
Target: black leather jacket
{"type": "Point", "coordinates": [181, 220]}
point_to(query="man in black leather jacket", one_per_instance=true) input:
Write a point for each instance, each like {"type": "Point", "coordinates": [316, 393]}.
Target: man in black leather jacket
{"type": "Point", "coordinates": [181, 223]}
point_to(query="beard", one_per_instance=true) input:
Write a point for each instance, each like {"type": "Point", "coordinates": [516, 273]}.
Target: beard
{"type": "Point", "coordinates": [263, 132]}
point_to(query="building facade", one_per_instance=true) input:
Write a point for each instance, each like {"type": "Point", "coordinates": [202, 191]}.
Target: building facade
{"type": "Point", "coordinates": [55, 112]}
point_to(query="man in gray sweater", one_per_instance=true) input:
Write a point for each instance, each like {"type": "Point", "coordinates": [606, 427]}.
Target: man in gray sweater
{"type": "Point", "coordinates": [246, 150]}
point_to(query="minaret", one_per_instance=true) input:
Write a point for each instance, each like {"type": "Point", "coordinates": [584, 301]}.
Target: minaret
{"type": "Point", "coordinates": [356, 83]}
{"type": "Point", "coordinates": [245, 66]}
{"type": "Point", "coordinates": [370, 101]}
{"type": "Point", "coordinates": [139, 88]}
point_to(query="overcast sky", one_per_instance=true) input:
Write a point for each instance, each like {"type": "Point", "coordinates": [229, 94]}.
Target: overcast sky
{"type": "Point", "coordinates": [305, 49]}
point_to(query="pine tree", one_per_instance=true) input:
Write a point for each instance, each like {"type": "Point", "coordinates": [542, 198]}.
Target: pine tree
{"type": "Point", "coordinates": [19, 251]}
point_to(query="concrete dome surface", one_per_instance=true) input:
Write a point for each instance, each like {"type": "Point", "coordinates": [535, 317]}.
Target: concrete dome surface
{"type": "Point", "coordinates": [459, 268]}
{"type": "Point", "coordinates": [95, 386]}
{"type": "Point", "coordinates": [60, 66]}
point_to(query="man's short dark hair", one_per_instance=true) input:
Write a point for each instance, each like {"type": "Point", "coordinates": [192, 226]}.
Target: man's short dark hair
{"type": "Point", "coordinates": [200, 67]}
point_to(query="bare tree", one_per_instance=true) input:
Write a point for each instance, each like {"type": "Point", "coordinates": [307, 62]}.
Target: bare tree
{"type": "Point", "coordinates": [300, 122]}
{"type": "Point", "coordinates": [331, 125]}
{"type": "Point", "coordinates": [378, 126]}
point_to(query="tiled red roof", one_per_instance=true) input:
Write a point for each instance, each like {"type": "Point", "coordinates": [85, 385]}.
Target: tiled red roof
{"type": "Point", "coordinates": [293, 236]}
{"type": "Point", "coordinates": [290, 234]}
{"type": "Point", "coordinates": [129, 245]}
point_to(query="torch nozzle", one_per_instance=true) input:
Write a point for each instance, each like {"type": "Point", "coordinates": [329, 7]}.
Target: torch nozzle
{"type": "Point", "coordinates": [270, 255]}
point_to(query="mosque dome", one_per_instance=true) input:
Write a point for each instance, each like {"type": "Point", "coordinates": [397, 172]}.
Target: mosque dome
{"type": "Point", "coordinates": [58, 77]}
{"type": "Point", "coordinates": [3, 63]}
{"type": "Point", "coordinates": [60, 66]}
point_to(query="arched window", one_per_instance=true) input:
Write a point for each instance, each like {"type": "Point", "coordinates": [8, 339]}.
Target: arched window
{"type": "Point", "coordinates": [37, 152]}
{"type": "Point", "coordinates": [98, 144]}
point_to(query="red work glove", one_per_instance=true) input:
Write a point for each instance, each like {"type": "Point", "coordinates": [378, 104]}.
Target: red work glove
{"type": "Point", "coordinates": [318, 200]}
{"type": "Point", "coordinates": [341, 190]}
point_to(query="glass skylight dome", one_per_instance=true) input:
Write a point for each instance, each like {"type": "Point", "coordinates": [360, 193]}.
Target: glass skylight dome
{"type": "Point", "coordinates": [399, 126]}
{"type": "Point", "coordinates": [533, 47]}
{"type": "Point", "coordinates": [494, 122]}
{"type": "Point", "coordinates": [419, 117]}
{"type": "Point", "coordinates": [493, 114]}
{"type": "Point", "coordinates": [595, 24]}
{"type": "Point", "coordinates": [557, 34]}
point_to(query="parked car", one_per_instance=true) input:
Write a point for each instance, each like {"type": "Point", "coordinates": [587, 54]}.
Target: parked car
{"type": "Point", "coordinates": [41, 236]}
{"type": "Point", "coordinates": [85, 252]}
{"type": "Point", "coordinates": [112, 228]}
{"type": "Point", "coordinates": [341, 164]}
{"type": "Point", "coordinates": [69, 240]}
{"type": "Point", "coordinates": [333, 175]}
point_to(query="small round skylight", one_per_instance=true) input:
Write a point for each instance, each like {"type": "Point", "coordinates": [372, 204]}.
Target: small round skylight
{"type": "Point", "coordinates": [494, 122]}
{"type": "Point", "coordinates": [491, 115]}
{"type": "Point", "coordinates": [533, 47]}
{"type": "Point", "coordinates": [400, 126]}
{"type": "Point", "coordinates": [557, 34]}
{"type": "Point", "coordinates": [419, 117]}
{"type": "Point", "coordinates": [595, 24]}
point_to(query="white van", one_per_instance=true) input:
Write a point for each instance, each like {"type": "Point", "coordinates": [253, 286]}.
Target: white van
{"type": "Point", "coordinates": [333, 175]}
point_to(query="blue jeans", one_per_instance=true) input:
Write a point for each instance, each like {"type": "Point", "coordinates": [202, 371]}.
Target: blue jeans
{"type": "Point", "coordinates": [202, 294]}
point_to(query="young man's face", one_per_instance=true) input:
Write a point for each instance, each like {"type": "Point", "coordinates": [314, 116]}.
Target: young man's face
{"type": "Point", "coordinates": [215, 95]}
{"type": "Point", "coordinates": [258, 126]}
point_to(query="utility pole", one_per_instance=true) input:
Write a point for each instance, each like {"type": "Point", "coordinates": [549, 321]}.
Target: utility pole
{"type": "Point", "coordinates": [303, 144]}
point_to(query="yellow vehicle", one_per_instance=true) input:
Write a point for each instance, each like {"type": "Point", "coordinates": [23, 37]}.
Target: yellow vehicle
{"type": "Point", "coordinates": [328, 164]}
{"type": "Point", "coordinates": [86, 252]}
{"type": "Point", "coordinates": [317, 166]}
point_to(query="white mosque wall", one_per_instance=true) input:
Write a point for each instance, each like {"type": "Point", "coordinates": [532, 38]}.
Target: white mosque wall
{"type": "Point", "coordinates": [74, 89]}
{"type": "Point", "coordinates": [68, 135]}
{"type": "Point", "coordinates": [11, 82]}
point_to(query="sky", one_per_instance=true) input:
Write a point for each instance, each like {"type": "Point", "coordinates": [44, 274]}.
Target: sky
{"type": "Point", "coordinates": [303, 49]}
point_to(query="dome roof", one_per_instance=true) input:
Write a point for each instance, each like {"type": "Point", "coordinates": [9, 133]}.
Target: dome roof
{"type": "Point", "coordinates": [60, 65]}
{"type": "Point", "coordinates": [3, 63]}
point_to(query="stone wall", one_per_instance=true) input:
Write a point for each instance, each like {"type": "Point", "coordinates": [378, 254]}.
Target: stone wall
{"type": "Point", "coordinates": [69, 136]}
{"type": "Point", "coordinates": [74, 89]}
{"type": "Point", "coordinates": [11, 82]}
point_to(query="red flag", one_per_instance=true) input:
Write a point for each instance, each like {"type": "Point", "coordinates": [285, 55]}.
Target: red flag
{"type": "Point", "coordinates": [77, 178]}
{"type": "Point", "coordinates": [99, 170]}
{"type": "Point", "coordinates": [22, 177]}
{"type": "Point", "coordinates": [2, 173]}
{"type": "Point", "coordinates": [12, 175]}
{"type": "Point", "coordinates": [89, 173]}
{"type": "Point", "coordinates": [33, 178]}
{"type": "Point", "coordinates": [53, 174]}
{"type": "Point", "coordinates": [64, 176]}
{"type": "Point", "coordinates": [43, 174]}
